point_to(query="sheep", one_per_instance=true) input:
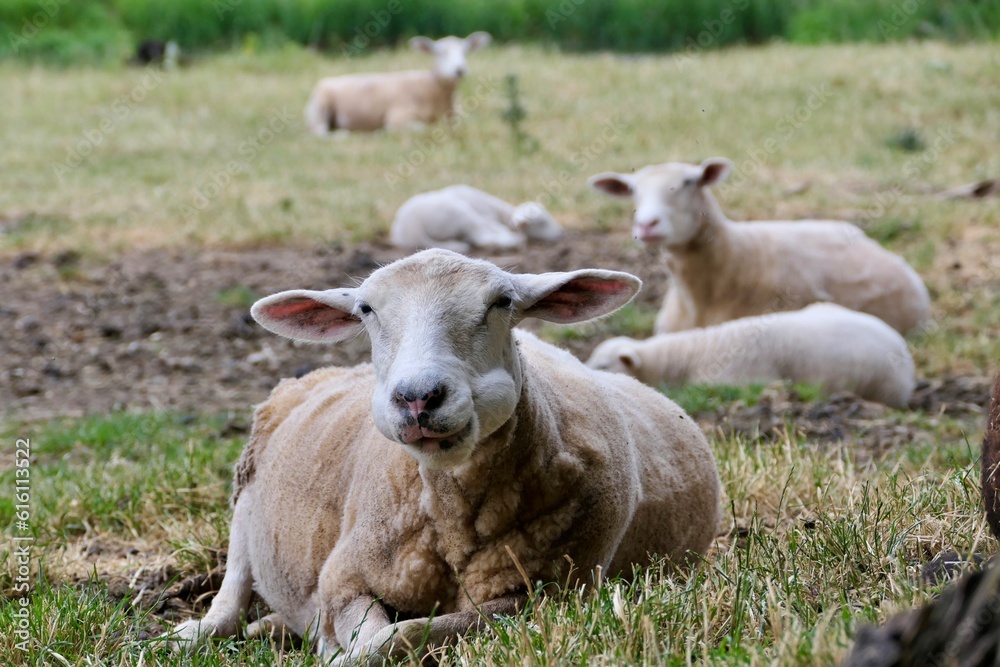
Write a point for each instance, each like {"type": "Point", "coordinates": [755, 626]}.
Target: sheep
{"type": "Point", "coordinates": [991, 461]}
{"type": "Point", "coordinates": [369, 102]}
{"type": "Point", "coordinates": [465, 457]}
{"type": "Point", "coordinates": [723, 270]}
{"type": "Point", "coordinates": [460, 217]}
{"type": "Point", "coordinates": [824, 344]}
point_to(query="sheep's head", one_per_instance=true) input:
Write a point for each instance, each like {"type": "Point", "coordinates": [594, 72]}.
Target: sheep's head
{"type": "Point", "coordinates": [670, 199]}
{"type": "Point", "coordinates": [616, 355]}
{"type": "Point", "coordinates": [532, 220]}
{"type": "Point", "coordinates": [450, 52]}
{"type": "Point", "coordinates": [446, 368]}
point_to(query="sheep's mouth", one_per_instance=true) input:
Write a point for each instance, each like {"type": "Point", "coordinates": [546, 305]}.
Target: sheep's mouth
{"type": "Point", "coordinates": [433, 444]}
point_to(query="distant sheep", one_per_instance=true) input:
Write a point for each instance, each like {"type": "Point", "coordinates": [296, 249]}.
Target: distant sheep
{"type": "Point", "coordinates": [824, 344]}
{"type": "Point", "coordinates": [467, 462]}
{"type": "Point", "coordinates": [723, 270]}
{"type": "Point", "coordinates": [369, 102]}
{"type": "Point", "coordinates": [460, 217]}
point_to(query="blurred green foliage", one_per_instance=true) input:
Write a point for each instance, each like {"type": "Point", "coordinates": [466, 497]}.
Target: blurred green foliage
{"type": "Point", "coordinates": [69, 32]}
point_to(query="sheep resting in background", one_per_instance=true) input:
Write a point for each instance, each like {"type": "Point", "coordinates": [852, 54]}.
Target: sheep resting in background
{"type": "Point", "coordinates": [824, 344]}
{"type": "Point", "coordinates": [723, 270]}
{"type": "Point", "coordinates": [465, 459]}
{"type": "Point", "coordinates": [461, 217]}
{"type": "Point", "coordinates": [369, 102]}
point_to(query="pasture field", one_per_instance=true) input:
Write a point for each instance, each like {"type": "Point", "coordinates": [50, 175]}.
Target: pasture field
{"type": "Point", "coordinates": [142, 211]}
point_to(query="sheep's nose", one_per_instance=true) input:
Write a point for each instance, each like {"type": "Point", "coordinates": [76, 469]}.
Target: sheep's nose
{"type": "Point", "coordinates": [646, 225]}
{"type": "Point", "coordinates": [419, 403]}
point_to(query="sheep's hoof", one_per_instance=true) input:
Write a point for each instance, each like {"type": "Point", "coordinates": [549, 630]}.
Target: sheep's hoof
{"type": "Point", "coordinates": [394, 641]}
{"type": "Point", "coordinates": [271, 626]}
{"type": "Point", "coordinates": [187, 635]}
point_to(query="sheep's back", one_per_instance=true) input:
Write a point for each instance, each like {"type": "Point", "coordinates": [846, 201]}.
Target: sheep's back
{"type": "Point", "coordinates": [817, 260]}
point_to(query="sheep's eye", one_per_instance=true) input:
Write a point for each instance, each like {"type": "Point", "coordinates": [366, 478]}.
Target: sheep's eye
{"type": "Point", "coordinates": [503, 301]}
{"type": "Point", "coordinates": [365, 309]}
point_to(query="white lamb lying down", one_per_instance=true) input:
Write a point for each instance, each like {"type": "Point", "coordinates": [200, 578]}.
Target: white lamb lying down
{"type": "Point", "coordinates": [468, 461]}
{"type": "Point", "coordinates": [460, 217]}
{"type": "Point", "coordinates": [368, 102]}
{"type": "Point", "coordinates": [824, 344]}
{"type": "Point", "coordinates": [722, 270]}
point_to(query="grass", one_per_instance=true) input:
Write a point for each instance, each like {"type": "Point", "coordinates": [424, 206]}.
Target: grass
{"type": "Point", "coordinates": [817, 538]}
{"type": "Point", "coordinates": [814, 542]}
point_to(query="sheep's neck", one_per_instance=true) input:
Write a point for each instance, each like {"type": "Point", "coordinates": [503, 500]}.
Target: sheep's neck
{"type": "Point", "coordinates": [486, 497]}
{"type": "Point", "coordinates": [703, 263]}
{"type": "Point", "coordinates": [445, 93]}
{"type": "Point", "coordinates": [672, 362]}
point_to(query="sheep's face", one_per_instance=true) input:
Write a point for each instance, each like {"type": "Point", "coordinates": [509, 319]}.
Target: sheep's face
{"type": "Point", "coordinates": [670, 199]}
{"type": "Point", "coordinates": [616, 355]}
{"type": "Point", "coordinates": [531, 219]}
{"type": "Point", "coordinates": [446, 368]}
{"type": "Point", "coordinates": [450, 53]}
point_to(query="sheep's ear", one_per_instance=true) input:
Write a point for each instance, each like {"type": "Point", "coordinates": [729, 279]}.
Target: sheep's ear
{"type": "Point", "coordinates": [425, 44]}
{"type": "Point", "coordinates": [575, 296]}
{"type": "Point", "coordinates": [477, 40]}
{"type": "Point", "coordinates": [629, 358]}
{"type": "Point", "coordinates": [610, 183]}
{"type": "Point", "coordinates": [320, 317]}
{"type": "Point", "coordinates": [714, 170]}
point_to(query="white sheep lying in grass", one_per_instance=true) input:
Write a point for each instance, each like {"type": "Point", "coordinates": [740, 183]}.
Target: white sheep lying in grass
{"type": "Point", "coordinates": [465, 457]}
{"type": "Point", "coordinates": [368, 102]}
{"type": "Point", "coordinates": [459, 217]}
{"type": "Point", "coordinates": [824, 344]}
{"type": "Point", "coordinates": [723, 270]}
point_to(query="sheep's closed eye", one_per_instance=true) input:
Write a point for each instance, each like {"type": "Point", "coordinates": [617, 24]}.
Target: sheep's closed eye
{"type": "Point", "coordinates": [503, 301]}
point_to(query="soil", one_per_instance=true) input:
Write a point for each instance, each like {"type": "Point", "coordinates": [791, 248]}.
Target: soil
{"type": "Point", "coordinates": [171, 330]}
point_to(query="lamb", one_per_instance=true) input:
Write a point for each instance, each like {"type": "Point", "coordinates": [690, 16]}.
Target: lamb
{"type": "Point", "coordinates": [460, 217]}
{"type": "Point", "coordinates": [824, 344]}
{"type": "Point", "coordinates": [466, 457]}
{"type": "Point", "coordinates": [369, 102]}
{"type": "Point", "coordinates": [723, 270]}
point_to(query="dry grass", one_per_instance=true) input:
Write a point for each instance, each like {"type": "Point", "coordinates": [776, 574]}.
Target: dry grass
{"type": "Point", "coordinates": [134, 185]}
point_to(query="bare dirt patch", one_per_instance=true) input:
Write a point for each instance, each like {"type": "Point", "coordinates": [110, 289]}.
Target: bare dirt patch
{"type": "Point", "coordinates": [170, 329]}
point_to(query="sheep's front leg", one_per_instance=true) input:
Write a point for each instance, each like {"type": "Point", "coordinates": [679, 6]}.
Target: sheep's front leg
{"type": "Point", "coordinates": [677, 312]}
{"type": "Point", "coordinates": [363, 628]}
{"type": "Point", "coordinates": [230, 603]}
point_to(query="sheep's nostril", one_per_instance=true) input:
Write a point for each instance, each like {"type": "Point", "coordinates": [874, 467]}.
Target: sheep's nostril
{"type": "Point", "coordinates": [434, 398]}
{"type": "Point", "coordinates": [403, 399]}
{"type": "Point", "coordinates": [418, 406]}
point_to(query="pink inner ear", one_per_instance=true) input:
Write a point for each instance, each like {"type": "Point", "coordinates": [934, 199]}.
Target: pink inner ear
{"type": "Point", "coordinates": [613, 186]}
{"type": "Point", "coordinates": [711, 173]}
{"type": "Point", "coordinates": [292, 308]}
{"type": "Point", "coordinates": [581, 294]}
{"type": "Point", "coordinates": [308, 314]}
